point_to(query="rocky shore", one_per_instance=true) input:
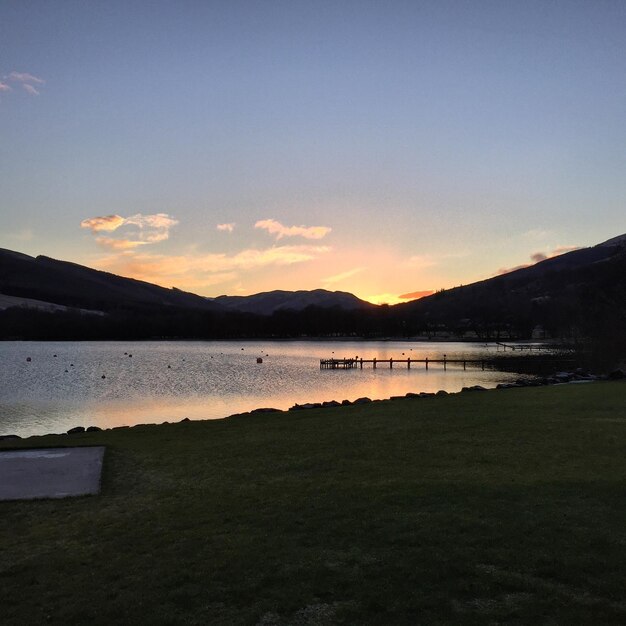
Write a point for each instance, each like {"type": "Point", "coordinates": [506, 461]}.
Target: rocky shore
{"type": "Point", "coordinates": [577, 376]}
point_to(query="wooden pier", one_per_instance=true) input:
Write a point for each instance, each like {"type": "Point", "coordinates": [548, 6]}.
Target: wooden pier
{"type": "Point", "coordinates": [522, 346]}
{"type": "Point", "coordinates": [346, 364]}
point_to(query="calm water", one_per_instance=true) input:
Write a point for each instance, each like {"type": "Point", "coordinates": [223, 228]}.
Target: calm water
{"type": "Point", "coordinates": [204, 380]}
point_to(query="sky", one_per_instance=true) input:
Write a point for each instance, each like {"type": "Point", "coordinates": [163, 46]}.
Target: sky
{"type": "Point", "coordinates": [389, 149]}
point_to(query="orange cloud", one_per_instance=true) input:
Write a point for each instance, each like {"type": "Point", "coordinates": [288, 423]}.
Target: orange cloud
{"type": "Point", "coordinates": [308, 232]}
{"type": "Point", "coordinates": [119, 244]}
{"type": "Point", "coordinates": [203, 270]}
{"type": "Point", "coordinates": [537, 257]}
{"type": "Point", "coordinates": [148, 229]}
{"type": "Point", "coordinates": [416, 295]}
{"type": "Point", "coordinates": [106, 223]}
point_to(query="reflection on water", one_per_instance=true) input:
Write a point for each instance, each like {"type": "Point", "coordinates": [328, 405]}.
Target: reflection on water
{"type": "Point", "coordinates": [124, 383]}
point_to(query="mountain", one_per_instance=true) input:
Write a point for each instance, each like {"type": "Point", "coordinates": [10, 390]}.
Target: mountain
{"type": "Point", "coordinates": [579, 288]}
{"type": "Point", "coordinates": [268, 302]}
{"type": "Point", "coordinates": [578, 294]}
{"type": "Point", "coordinates": [50, 285]}
{"type": "Point", "coordinates": [47, 280]}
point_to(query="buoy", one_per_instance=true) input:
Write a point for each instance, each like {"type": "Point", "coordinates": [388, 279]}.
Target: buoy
{"type": "Point", "coordinates": [169, 367]}
{"type": "Point", "coordinates": [130, 355]}
{"type": "Point", "coordinates": [71, 364]}
{"type": "Point", "coordinates": [103, 376]}
{"type": "Point", "coordinates": [28, 359]}
{"type": "Point", "coordinates": [259, 360]}
{"type": "Point", "coordinates": [54, 355]}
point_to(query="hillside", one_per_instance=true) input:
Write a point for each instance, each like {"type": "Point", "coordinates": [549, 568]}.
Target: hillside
{"type": "Point", "coordinates": [72, 285]}
{"type": "Point", "coordinates": [580, 293]}
{"type": "Point", "coordinates": [48, 284]}
{"type": "Point", "coordinates": [580, 288]}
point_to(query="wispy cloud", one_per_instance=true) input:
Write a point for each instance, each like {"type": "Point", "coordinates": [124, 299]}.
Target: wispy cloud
{"type": "Point", "coordinates": [280, 230]}
{"type": "Point", "coordinates": [106, 223]}
{"type": "Point", "coordinates": [226, 228]}
{"type": "Point", "coordinates": [30, 89]}
{"type": "Point", "coordinates": [139, 230]}
{"type": "Point", "coordinates": [119, 244]}
{"type": "Point", "coordinates": [30, 83]}
{"type": "Point", "coordinates": [420, 261]}
{"type": "Point", "coordinates": [197, 271]}
{"type": "Point", "coordinates": [537, 257]}
{"type": "Point", "coordinates": [25, 77]}
{"type": "Point", "coordinates": [337, 278]}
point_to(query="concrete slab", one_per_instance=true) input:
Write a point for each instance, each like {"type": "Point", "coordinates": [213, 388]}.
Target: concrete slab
{"type": "Point", "coordinates": [50, 472]}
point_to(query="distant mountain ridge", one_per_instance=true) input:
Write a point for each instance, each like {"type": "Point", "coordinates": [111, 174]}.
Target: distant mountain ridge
{"type": "Point", "coordinates": [40, 280]}
{"type": "Point", "coordinates": [578, 293]}
{"type": "Point", "coordinates": [268, 302]}
{"type": "Point", "coordinates": [72, 285]}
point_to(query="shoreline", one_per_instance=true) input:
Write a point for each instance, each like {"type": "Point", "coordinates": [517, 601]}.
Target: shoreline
{"type": "Point", "coordinates": [558, 379]}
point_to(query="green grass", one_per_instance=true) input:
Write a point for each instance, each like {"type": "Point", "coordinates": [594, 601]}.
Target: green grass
{"type": "Point", "coordinates": [475, 508]}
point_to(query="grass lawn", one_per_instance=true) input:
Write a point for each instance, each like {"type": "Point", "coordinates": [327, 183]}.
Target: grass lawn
{"type": "Point", "coordinates": [476, 508]}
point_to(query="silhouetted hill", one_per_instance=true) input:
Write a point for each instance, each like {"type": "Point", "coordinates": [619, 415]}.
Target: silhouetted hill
{"type": "Point", "coordinates": [577, 289]}
{"type": "Point", "coordinates": [73, 285]}
{"type": "Point", "coordinates": [46, 280]}
{"type": "Point", "coordinates": [580, 293]}
{"type": "Point", "coordinates": [268, 302]}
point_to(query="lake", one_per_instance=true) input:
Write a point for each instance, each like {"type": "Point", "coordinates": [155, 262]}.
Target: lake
{"type": "Point", "coordinates": [62, 384]}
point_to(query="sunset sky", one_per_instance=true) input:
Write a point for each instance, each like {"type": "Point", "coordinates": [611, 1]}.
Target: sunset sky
{"type": "Point", "coordinates": [383, 148]}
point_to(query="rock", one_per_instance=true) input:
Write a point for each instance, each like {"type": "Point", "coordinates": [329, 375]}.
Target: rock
{"type": "Point", "coordinates": [441, 392]}
{"type": "Point", "coordinates": [474, 388]}
{"type": "Point", "coordinates": [76, 429]}
{"type": "Point", "coordinates": [411, 395]}
{"type": "Point", "coordinates": [346, 403]}
{"type": "Point", "coordinates": [331, 403]}
{"type": "Point", "coordinates": [93, 429]}
{"type": "Point", "coordinates": [563, 377]}
{"type": "Point", "coordinates": [617, 374]}
{"type": "Point", "coordinates": [4, 437]}
{"type": "Point", "coordinates": [426, 394]}
{"type": "Point", "coordinates": [185, 419]}
{"type": "Point", "coordinates": [362, 401]}
{"type": "Point", "coordinates": [265, 410]}
{"type": "Point", "coordinates": [397, 398]}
